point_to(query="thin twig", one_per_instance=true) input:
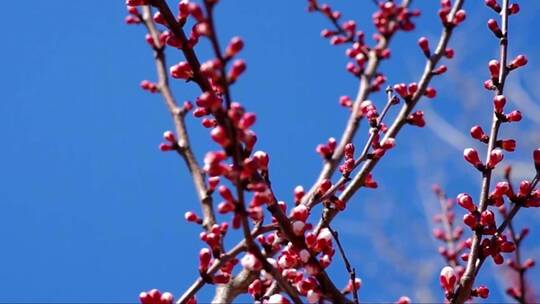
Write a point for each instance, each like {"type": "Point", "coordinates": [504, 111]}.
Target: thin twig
{"type": "Point", "coordinates": [350, 270]}
{"type": "Point", "coordinates": [353, 123]}
{"type": "Point", "coordinates": [401, 120]}
{"type": "Point", "coordinates": [467, 280]}
{"type": "Point", "coordinates": [178, 114]}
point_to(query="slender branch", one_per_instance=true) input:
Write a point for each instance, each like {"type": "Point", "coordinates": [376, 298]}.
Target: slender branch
{"type": "Point", "coordinates": [448, 227]}
{"type": "Point", "coordinates": [402, 117]}
{"type": "Point", "coordinates": [522, 290]}
{"type": "Point", "coordinates": [353, 123]}
{"type": "Point", "coordinates": [350, 270]}
{"type": "Point", "coordinates": [467, 280]}
{"type": "Point", "coordinates": [216, 265]}
{"type": "Point", "coordinates": [178, 115]}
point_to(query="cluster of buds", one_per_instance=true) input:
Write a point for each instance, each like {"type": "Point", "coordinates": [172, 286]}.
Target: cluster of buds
{"type": "Point", "coordinates": [214, 237]}
{"type": "Point", "coordinates": [448, 232]}
{"type": "Point", "coordinates": [327, 150]}
{"type": "Point", "coordinates": [390, 18]}
{"type": "Point", "coordinates": [444, 14]}
{"type": "Point", "coordinates": [349, 162]}
{"type": "Point", "coordinates": [154, 296]}
{"type": "Point", "coordinates": [407, 91]}
{"type": "Point", "coordinates": [517, 291]}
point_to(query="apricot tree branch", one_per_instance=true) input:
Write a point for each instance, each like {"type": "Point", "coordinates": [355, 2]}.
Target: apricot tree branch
{"type": "Point", "coordinates": [178, 115]}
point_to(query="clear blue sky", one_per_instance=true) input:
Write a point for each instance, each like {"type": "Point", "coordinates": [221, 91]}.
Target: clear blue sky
{"type": "Point", "coordinates": [91, 211]}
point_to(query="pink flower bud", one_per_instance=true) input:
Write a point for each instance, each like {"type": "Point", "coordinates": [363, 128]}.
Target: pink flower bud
{"type": "Point", "coordinates": [204, 258]}
{"type": "Point", "coordinates": [417, 119]}
{"type": "Point", "coordinates": [430, 92]}
{"type": "Point", "coordinates": [238, 67]}
{"type": "Point", "coordinates": [278, 299]}
{"type": "Point", "coordinates": [191, 217]}
{"type": "Point", "coordinates": [349, 151]}
{"type": "Point", "coordinates": [300, 212]}
{"type": "Point", "coordinates": [181, 70]}
{"type": "Point", "coordinates": [324, 186]}
{"type": "Point", "coordinates": [440, 70]}
{"type": "Point", "coordinates": [508, 145]}
{"type": "Point", "coordinates": [513, 9]}
{"type": "Point", "coordinates": [471, 155]}
{"type": "Point", "coordinates": [219, 135]}
{"type": "Point", "coordinates": [169, 136]}
{"type": "Point", "coordinates": [424, 45]}
{"type": "Point", "coordinates": [482, 292]}
{"type": "Point", "coordinates": [255, 288]}
{"type": "Point", "coordinates": [495, 157]}
{"type": "Point", "coordinates": [465, 201]}
{"type": "Point", "coordinates": [234, 47]}
{"type": "Point", "coordinates": [167, 298]}
{"type": "Point", "coordinates": [487, 218]}
{"type": "Point", "coordinates": [345, 101]}
{"type": "Point", "coordinates": [494, 68]}
{"type": "Point", "coordinates": [524, 188]}
{"type": "Point", "coordinates": [404, 300]}
{"type": "Point", "coordinates": [448, 279]}
{"type": "Point", "coordinates": [401, 89]}
{"type": "Point", "coordinates": [298, 193]}
{"type": "Point", "coordinates": [247, 120]}
{"type": "Point", "coordinates": [470, 220]}
{"type": "Point", "coordinates": [493, 5]}
{"type": "Point", "coordinates": [165, 147]}
{"type": "Point", "coordinates": [459, 17]}
{"type": "Point", "coordinates": [519, 61]}
{"type": "Point", "coordinates": [514, 116]}
{"type": "Point", "coordinates": [225, 193]}
{"type": "Point", "coordinates": [477, 133]}
{"type": "Point", "coordinates": [499, 102]}
{"type": "Point", "coordinates": [449, 53]}
{"type": "Point", "coordinates": [494, 27]}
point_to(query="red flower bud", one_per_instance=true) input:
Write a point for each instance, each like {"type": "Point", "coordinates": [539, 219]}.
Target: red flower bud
{"type": "Point", "coordinates": [508, 145]}
{"type": "Point", "coordinates": [494, 27]}
{"type": "Point", "coordinates": [514, 116]}
{"type": "Point", "coordinates": [495, 157]}
{"type": "Point", "coordinates": [448, 279]}
{"type": "Point", "coordinates": [181, 70]}
{"type": "Point", "coordinates": [471, 155]}
{"type": "Point", "coordinates": [238, 67]}
{"type": "Point", "coordinates": [499, 102]}
{"type": "Point", "coordinates": [219, 135]}
{"type": "Point", "coordinates": [470, 220]}
{"type": "Point", "coordinates": [449, 53]}
{"type": "Point", "coordinates": [165, 147]}
{"type": "Point", "coordinates": [519, 61]}
{"type": "Point", "coordinates": [430, 93]}
{"type": "Point", "coordinates": [234, 47]}
{"type": "Point", "coordinates": [487, 218]}
{"type": "Point", "coordinates": [424, 45]}
{"type": "Point", "coordinates": [513, 8]}
{"type": "Point", "coordinates": [494, 68]}
{"type": "Point", "coordinates": [477, 133]}
{"type": "Point", "coordinates": [465, 201]}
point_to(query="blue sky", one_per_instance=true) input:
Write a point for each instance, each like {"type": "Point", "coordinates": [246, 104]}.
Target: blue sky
{"type": "Point", "coordinates": [91, 211]}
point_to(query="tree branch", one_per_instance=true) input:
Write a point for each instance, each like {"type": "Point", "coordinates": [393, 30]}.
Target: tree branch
{"type": "Point", "coordinates": [178, 115]}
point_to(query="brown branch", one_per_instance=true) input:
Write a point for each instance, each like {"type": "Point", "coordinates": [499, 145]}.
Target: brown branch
{"type": "Point", "coordinates": [353, 123]}
{"type": "Point", "coordinates": [216, 265]}
{"type": "Point", "coordinates": [448, 226]}
{"type": "Point", "coordinates": [467, 280]}
{"type": "Point", "coordinates": [350, 270]}
{"type": "Point", "coordinates": [223, 120]}
{"type": "Point", "coordinates": [521, 271]}
{"type": "Point", "coordinates": [401, 119]}
{"type": "Point", "coordinates": [178, 115]}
